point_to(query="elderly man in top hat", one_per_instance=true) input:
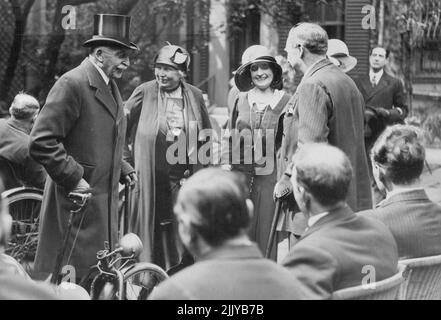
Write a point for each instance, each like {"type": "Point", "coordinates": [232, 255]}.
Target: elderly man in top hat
{"type": "Point", "coordinates": [79, 139]}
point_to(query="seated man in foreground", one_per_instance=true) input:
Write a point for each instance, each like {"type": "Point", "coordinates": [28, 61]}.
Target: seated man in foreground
{"type": "Point", "coordinates": [214, 213]}
{"type": "Point", "coordinates": [415, 221]}
{"type": "Point", "coordinates": [339, 249]}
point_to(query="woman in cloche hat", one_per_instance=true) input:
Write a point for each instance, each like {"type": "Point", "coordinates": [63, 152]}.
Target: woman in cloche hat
{"type": "Point", "coordinates": [338, 53]}
{"type": "Point", "coordinates": [258, 108]}
{"type": "Point", "coordinates": [160, 113]}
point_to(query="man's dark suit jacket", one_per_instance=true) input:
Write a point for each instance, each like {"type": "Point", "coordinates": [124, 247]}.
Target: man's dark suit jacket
{"type": "Point", "coordinates": [17, 168]}
{"type": "Point", "coordinates": [230, 273]}
{"type": "Point", "coordinates": [414, 220]}
{"type": "Point", "coordinates": [387, 94]}
{"type": "Point", "coordinates": [341, 250]}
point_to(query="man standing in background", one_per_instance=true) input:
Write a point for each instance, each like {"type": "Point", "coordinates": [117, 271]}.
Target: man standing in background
{"type": "Point", "coordinates": [385, 103]}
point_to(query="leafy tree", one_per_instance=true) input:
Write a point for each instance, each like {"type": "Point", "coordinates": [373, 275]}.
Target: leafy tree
{"type": "Point", "coordinates": [408, 28]}
{"type": "Point", "coordinates": [48, 56]}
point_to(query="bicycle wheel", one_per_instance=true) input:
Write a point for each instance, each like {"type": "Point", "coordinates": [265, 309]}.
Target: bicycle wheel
{"type": "Point", "coordinates": [140, 279]}
{"type": "Point", "coordinates": [24, 206]}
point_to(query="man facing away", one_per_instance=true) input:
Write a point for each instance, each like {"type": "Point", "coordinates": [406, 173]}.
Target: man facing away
{"type": "Point", "coordinates": [79, 138]}
{"type": "Point", "coordinates": [338, 248]}
{"type": "Point", "coordinates": [398, 158]}
{"type": "Point", "coordinates": [17, 168]}
{"type": "Point", "coordinates": [326, 107]}
{"type": "Point", "coordinates": [213, 214]}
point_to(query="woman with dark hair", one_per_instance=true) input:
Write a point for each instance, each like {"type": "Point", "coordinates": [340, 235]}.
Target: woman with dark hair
{"type": "Point", "coordinates": [398, 158]}
{"type": "Point", "coordinates": [162, 113]}
{"type": "Point", "coordinates": [255, 134]}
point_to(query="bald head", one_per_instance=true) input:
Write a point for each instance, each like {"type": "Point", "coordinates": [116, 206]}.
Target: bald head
{"type": "Point", "coordinates": [311, 36]}
{"type": "Point", "coordinates": [214, 201]}
{"type": "Point", "coordinates": [24, 107]}
{"type": "Point", "coordinates": [324, 171]}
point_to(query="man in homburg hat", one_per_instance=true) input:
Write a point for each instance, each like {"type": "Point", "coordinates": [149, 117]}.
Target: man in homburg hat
{"type": "Point", "coordinates": [79, 138]}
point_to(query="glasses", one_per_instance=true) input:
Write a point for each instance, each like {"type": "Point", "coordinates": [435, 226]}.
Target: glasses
{"type": "Point", "coordinates": [263, 65]}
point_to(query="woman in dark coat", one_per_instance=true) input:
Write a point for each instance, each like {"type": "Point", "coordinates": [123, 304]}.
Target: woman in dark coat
{"type": "Point", "coordinates": [257, 111]}
{"type": "Point", "coordinates": [161, 114]}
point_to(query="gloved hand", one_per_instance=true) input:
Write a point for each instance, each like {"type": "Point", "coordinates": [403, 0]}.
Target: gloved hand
{"type": "Point", "coordinates": [82, 187]}
{"type": "Point", "coordinates": [383, 112]}
{"type": "Point", "coordinates": [131, 178]}
{"type": "Point", "coordinates": [282, 188]}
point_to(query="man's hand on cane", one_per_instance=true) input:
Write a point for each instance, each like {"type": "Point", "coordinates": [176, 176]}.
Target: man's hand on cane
{"type": "Point", "coordinates": [283, 187]}
{"type": "Point", "coordinates": [131, 179]}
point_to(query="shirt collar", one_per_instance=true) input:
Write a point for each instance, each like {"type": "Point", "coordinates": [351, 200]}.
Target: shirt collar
{"type": "Point", "coordinates": [262, 101]}
{"type": "Point", "coordinates": [315, 218]}
{"type": "Point", "coordinates": [401, 190]}
{"type": "Point", "coordinates": [105, 77]}
{"type": "Point", "coordinates": [378, 75]}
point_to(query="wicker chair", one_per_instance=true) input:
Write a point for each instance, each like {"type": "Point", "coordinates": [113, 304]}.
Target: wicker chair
{"type": "Point", "coordinates": [422, 279]}
{"type": "Point", "coordinates": [386, 289]}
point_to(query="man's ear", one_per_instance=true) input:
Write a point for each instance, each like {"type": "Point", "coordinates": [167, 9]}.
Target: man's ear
{"type": "Point", "coordinates": [99, 54]}
{"type": "Point", "coordinates": [302, 52]}
{"type": "Point", "coordinates": [304, 195]}
{"type": "Point", "coordinates": [250, 207]}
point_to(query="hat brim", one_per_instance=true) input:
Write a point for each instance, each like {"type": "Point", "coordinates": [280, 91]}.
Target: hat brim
{"type": "Point", "coordinates": [104, 40]}
{"type": "Point", "coordinates": [347, 62]}
{"type": "Point", "coordinates": [242, 76]}
{"type": "Point", "coordinates": [168, 63]}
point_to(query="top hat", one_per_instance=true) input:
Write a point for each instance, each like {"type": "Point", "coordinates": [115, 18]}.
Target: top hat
{"type": "Point", "coordinates": [338, 53]}
{"type": "Point", "coordinates": [174, 56]}
{"type": "Point", "coordinates": [253, 54]}
{"type": "Point", "coordinates": [111, 29]}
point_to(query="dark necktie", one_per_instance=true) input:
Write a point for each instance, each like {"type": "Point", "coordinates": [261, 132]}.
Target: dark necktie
{"type": "Point", "coordinates": [374, 81]}
{"type": "Point", "coordinates": [112, 91]}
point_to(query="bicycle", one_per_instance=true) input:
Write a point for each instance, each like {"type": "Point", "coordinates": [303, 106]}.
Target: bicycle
{"type": "Point", "coordinates": [118, 275]}
{"type": "Point", "coordinates": [24, 205]}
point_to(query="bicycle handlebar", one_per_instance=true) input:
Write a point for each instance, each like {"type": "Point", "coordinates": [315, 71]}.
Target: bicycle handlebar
{"type": "Point", "coordinates": [79, 199]}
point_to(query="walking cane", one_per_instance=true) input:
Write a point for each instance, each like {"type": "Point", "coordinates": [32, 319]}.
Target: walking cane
{"type": "Point", "coordinates": [126, 208]}
{"type": "Point", "coordinates": [80, 199]}
{"type": "Point", "coordinates": [273, 228]}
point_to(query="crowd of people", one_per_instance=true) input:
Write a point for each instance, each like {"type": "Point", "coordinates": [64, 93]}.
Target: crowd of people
{"type": "Point", "coordinates": [343, 188]}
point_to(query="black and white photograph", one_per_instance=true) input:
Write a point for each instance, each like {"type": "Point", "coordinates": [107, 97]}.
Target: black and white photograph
{"type": "Point", "coordinates": [235, 151]}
